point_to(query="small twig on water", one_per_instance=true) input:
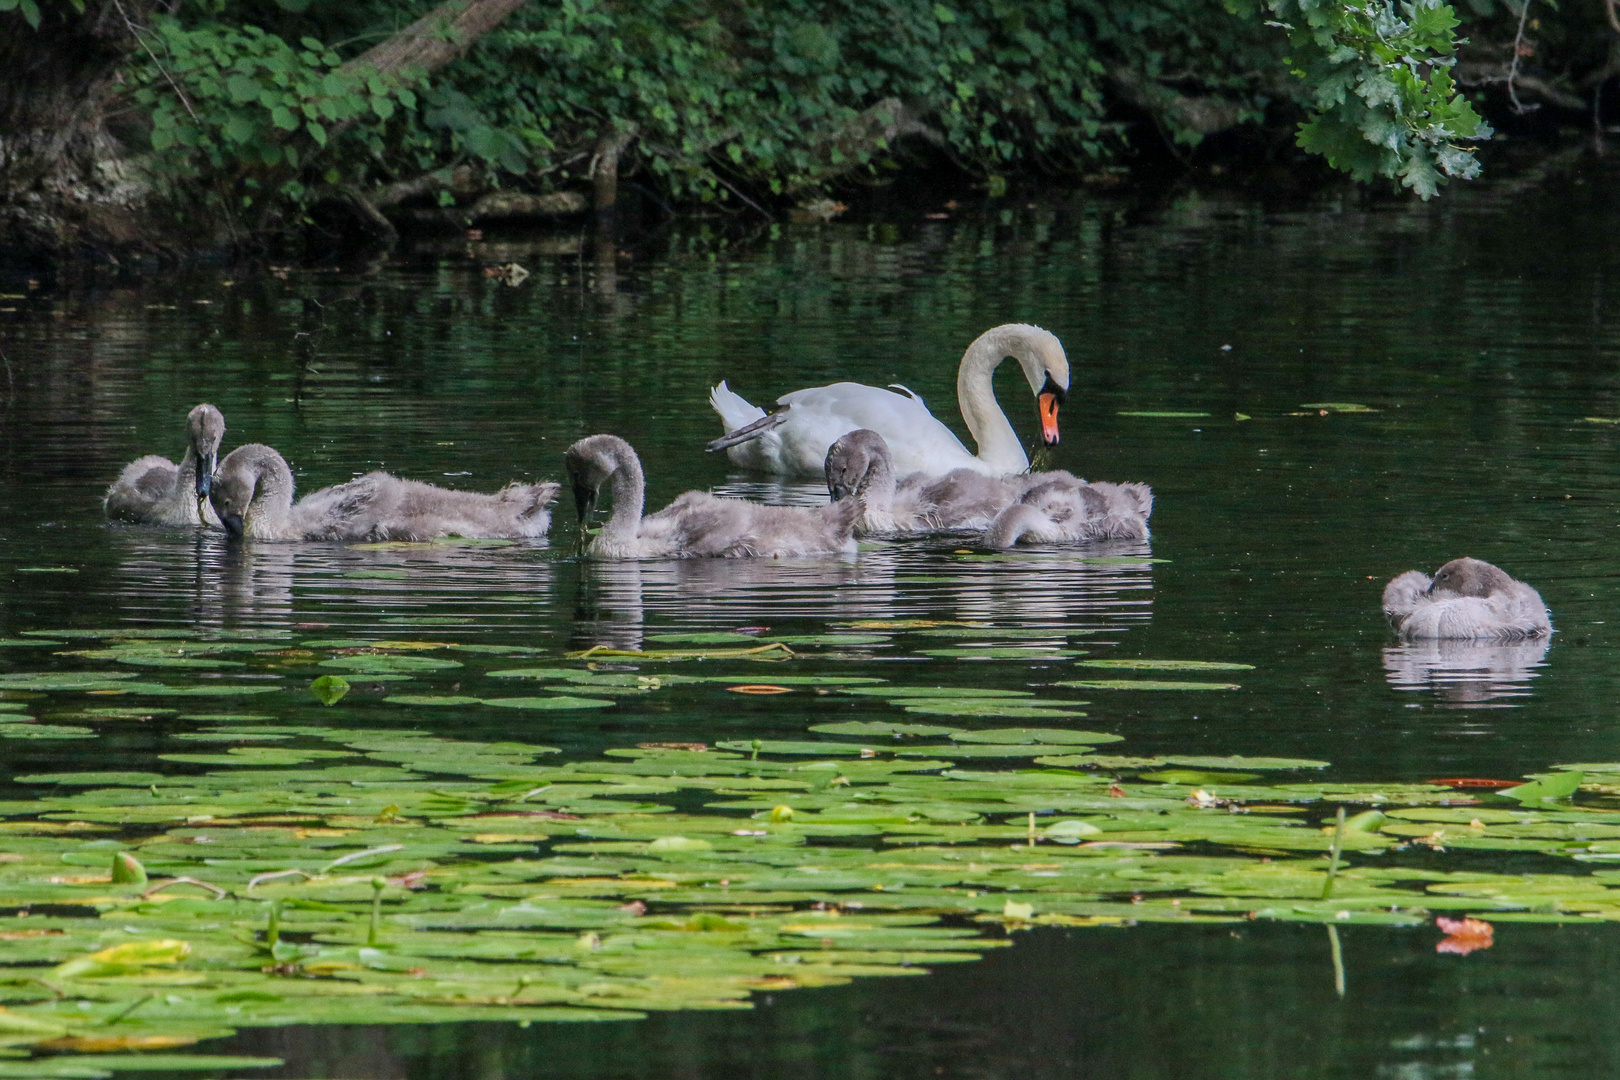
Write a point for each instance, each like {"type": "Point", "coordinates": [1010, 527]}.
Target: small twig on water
{"type": "Point", "coordinates": [1338, 959]}
{"type": "Point", "coordinates": [219, 893]}
{"type": "Point", "coordinates": [131, 1007]}
{"type": "Point", "coordinates": [1333, 863]}
{"type": "Point", "coordinates": [260, 879]}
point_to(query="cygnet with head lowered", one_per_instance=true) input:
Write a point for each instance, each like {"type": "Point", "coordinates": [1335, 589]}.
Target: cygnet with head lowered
{"type": "Point", "coordinates": [1466, 599]}
{"type": "Point", "coordinates": [795, 438]}
{"type": "Point", "coordinates": [1057, 508]}
{"type": "Point", "coordinates": [253, 496]}
{"type": "Point", "coordinates": [153, 490]}
{"type": "Point", "coordinates": [696, 524]}
{"type": "Point", "coordinates": [860, 467]}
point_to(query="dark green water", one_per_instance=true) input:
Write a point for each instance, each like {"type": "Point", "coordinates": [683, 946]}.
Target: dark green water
{"type": "Point", "coordinates": [1480, 329]}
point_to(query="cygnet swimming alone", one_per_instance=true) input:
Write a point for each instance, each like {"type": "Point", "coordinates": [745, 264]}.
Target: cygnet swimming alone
{"type": "Point", "coordinates": [153, 490]}
{"type": "Point", "coordinates": [253, 496]}
{"type": "Point", "coordinates": [860, 467]}
{"type": "Point", "coordinates": [696, 524]}
{"type": "Point", "coordinates": [1466, 598]}
{"type": "Point", "coordinates": [1057, 508]}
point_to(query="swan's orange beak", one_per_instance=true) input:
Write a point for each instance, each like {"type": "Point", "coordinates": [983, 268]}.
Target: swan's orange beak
{"type": "Point", "coordinates": [1049, 403]}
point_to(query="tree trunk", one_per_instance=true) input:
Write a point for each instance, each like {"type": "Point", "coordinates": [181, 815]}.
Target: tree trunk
{"type": "Point", "coordinates": [435, 39]}
{"type": "Point", "coordinates": [64, 186]}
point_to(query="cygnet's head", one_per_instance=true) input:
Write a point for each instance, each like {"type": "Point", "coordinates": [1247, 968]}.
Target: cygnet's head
{"type": "Point", "coordinates": [590, 462]}
{"type": "Point", "coordinates": [230, 495]}
{"type": "Point", "coordinates": [1468, 577]}
{"type": "Point", "coordinates": [205, 425]}
{"type": "Point", "coordinates": [854, 461]}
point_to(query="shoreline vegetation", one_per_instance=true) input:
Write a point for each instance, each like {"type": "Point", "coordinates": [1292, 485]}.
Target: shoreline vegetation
{"type": "Point", "coordinates": [145, 129]}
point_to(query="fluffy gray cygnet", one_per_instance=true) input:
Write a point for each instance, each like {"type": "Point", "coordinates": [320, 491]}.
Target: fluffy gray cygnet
{"type": "Point", "coordinates": [1466, 599]}
{"type": "Point", "coordinates": [153, 490]}
{"type": "Point", "coordinates": [253, 496]}
{"type": "Point", "coordinates": [1058, 508]}
{"type": "Point", "coordinates": [696, 524]}
{"type": "Point", "coordinates": [859, 466]}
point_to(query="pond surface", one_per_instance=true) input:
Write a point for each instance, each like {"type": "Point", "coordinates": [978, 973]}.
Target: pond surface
{"type": "Point", "coordinates": [1476, 334]}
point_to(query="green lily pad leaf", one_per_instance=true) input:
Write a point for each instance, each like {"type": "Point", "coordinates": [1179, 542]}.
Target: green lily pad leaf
{"type": "Point", "coordinates": [1338, 407]}
{"type": "Point", "coordinates": [1167, 665]}
{"type": "Point", "coordinates": [792, 747]}
{"type": "Point", "coordinates": [432, 699]}
{"type": "Point", "coordinates": [63, 680]}
{"type": "Point", "coordinates": [1070, 831]}
{"type": "Point", "coordinates": [388, 663]}
{"type": "Point", "coordinates": [952, 692]}
{"type": "Point", "coordinates": [1144, 684]}
{"type": "Point", "coordinates": [257, 755]}
{"type": "Point", "coordinates": [95, 779]}
{"type": "Point", "coordinates": [1047, 736]}
{"type": "Point", "coordinates": [879, 728]}
{"type": "Point", "coordinates": [200, 690]}
{"type": "Point", "coordinates": [15, 643]}
{"type": "Point", "coordinates": [329, 689]}
{"type": "Point", "coordinates": [44, 731]}
{"type": "Point", "coordinates": [1239, 762]}
{"type": "Point", "coordinates": [1017, 709]}
{"type": "Point", "coordinates": [1198, 778]}
{"type": "Point", "coordinates": [556, 701]}
{"type": "Point", "coordinates": [997, 652]}
{"type": "Point", "coordinates": [1545, 786]}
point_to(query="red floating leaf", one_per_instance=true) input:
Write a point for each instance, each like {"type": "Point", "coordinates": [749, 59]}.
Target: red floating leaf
{"type": "Point", "coordinates": [1463, 936]}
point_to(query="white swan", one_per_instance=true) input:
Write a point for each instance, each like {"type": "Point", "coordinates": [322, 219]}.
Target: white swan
{"type": "Point", "coordinates": [153, 490]}
{"type": "Point", "coordinates": [859, 465]}
{"type": "Point", "coordinates": [696, 523]}
{"type": "Point", "coordinates": [795, 438]}
{"type": "Point", "coordinates": [1466, 599]}
{"type": "Point", "coordinates": [253, 496]}
{"type": "Point", "coordinates": [1059, 509]}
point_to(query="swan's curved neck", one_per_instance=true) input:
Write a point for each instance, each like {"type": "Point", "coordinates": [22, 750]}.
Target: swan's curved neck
{"type": "Point", "coordinates": [266, 474]}
{"type": "Point", "coordinates": [877, 496]}
{"type": "Point", "coordinates": [629, 496]}
{"type": "Point", "coordinates": [994, 436]}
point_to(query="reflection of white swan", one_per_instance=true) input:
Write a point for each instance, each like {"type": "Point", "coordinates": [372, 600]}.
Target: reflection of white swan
{"type": "Point", "coordinates": [1465, 672]}
{"type": "Point", "coordinates": [696, 524]}
{"type": "Point", "coordinates": [1467, 598]}
{"type": "Point", "coordinates": [153, 490]}
{"type": "Point", "coordinates": [796, 437]}
{"type": "Point", "coordinates": [253, 496]}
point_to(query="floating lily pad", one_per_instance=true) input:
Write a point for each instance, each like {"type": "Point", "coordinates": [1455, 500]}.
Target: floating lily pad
{"type": "Point", "coordinates": [389, 663]}
{"type": "Point", "coordinates": [1167, 665]}
{"type": "Point", "coordinates": [1145, 684]}
{"type": "Point", "coordinates": [947, 692]}
{"type": "Point", "coordinates": [1338, 407]}
{"type": "Point", "coordinates": [1050, 736]}
{"type": "Point", "coordinates": [880, 728]}
{"type": "Point", "coordinates": [432, 699]}
{"type": "Point", "coordinates": [1015, 708]}
{"type": "Point", "coordinates": [999, 652]}
{"type": "Point", "coordinates": [556, 701]}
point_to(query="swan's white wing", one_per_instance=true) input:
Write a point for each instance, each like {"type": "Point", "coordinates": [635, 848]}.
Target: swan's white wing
{"type": "Point", "coordinates": [821, 414]}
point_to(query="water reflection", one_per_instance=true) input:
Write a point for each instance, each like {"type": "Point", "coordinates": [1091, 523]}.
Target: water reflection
{"type": "Point", "coordinates": [1467, 674]}
{"type": "Point", "coordinates": [1100, 588]}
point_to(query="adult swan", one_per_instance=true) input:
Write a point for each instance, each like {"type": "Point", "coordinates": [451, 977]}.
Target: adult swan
{"type": "Point", "coordinates": [795, 438]}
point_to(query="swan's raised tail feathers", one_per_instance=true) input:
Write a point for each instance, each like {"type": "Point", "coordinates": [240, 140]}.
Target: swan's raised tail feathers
{"type": "Point", "coordinates": [1401, 595]}
{"type": "Point", "coordinates": [735, 410]}
{"type": "Point", "coordinates": [750, 432]}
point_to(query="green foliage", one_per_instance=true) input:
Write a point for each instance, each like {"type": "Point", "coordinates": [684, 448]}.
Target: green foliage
{"type": "Point", "coordinates": [244, 104]}
{"type": "Point", "coordinates": [780, 97]}
{"type": "Point", "coordinates": [1380, 89]}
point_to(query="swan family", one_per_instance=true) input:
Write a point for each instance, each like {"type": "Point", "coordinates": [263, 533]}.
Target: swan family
{"type": "Point", "coordinates": [891, 469]}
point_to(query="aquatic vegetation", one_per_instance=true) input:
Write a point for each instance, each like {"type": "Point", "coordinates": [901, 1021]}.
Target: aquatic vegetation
{"type": "Point", "coordinates": [262, 871]}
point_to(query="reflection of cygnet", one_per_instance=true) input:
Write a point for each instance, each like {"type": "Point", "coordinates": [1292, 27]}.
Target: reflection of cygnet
{"type": "Point", "coordinates": [1467, 598]}
{"type": "Point", "coordinates": [1466, 673]}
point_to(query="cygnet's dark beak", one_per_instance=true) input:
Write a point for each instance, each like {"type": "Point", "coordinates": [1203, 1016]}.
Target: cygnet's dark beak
{"type": "Point", "coordinates": [233, 525]}
{"type": "Point", "coordinates": [584, 499]}
{"type": "Point", "coordinates": [1051, 396]}
{"type": "Point", "coordinates": [839, 489]}
{"type": "Point", "coordinates": [205, 474]}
